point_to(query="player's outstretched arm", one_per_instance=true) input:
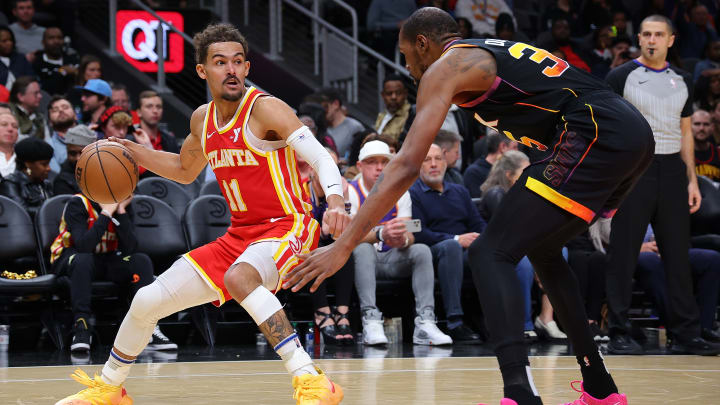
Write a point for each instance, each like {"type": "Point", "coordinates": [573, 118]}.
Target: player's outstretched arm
{"type": "Point", "coordinates": [183, 167]}
{"type": "Point", "coordinates": [273, 119]}
{"type": "Point", "coordinates": [456, 73]}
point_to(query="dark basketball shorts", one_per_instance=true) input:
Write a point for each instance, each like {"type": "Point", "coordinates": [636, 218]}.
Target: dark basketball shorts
{"type": "Point", "coordinates": [597, 155]}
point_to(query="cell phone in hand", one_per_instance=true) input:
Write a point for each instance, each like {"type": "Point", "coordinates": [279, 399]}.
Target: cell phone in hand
{"type": "Point", "coordinates": [413, 225]}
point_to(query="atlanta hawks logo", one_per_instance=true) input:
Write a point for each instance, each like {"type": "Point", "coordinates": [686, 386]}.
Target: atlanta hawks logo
{"type": "Point", "coordinates": [295, 245]}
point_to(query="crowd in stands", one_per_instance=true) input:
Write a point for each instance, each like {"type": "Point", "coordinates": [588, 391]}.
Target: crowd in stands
{"type": "Point", "coordinates": [53, 102]}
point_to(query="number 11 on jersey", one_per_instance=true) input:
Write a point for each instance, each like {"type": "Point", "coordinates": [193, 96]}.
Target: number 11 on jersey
{"type": "Point", "coordinates": [232, 192]}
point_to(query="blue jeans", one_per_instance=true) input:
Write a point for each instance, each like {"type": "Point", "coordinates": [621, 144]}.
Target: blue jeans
{"type": "Point", "coordinates": [448, 257]}
{"type": "Point", "coordinates": [705, 266]}
{"type": "Point", "coordinates": [526, 274]}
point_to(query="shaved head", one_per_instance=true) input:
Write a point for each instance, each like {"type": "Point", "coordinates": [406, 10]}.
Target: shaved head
{"type": "Point", "coordinates": [434, 23]}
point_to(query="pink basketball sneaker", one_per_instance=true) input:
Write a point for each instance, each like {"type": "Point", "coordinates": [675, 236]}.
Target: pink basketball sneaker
{"type": "Point", "coordinates": [587, 399]}
{"type": "Point", "coordinates": [506, 401]}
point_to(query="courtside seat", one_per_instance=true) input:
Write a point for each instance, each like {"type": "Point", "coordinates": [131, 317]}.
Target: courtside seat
{"type": "Point", "coordinates": [211, 187]}
{"type": "Point", "coordinates": [167, 191]}
{"type": "Point", "coordinates": [19, 253]}
{"type": "Point", "coordinates": [158, 231]}
{"type": "Point", "coordinates": [206, 218]}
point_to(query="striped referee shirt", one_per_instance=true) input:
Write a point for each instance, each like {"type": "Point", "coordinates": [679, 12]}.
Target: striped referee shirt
{"type": "Point", "coordinates": [663, 96]}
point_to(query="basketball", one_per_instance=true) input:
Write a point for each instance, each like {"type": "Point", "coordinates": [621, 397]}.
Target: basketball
{"type": "Point", "coordinates": [107, 172]}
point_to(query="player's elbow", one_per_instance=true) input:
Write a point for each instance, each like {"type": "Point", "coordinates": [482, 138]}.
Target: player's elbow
{"type": "Point", "coordinates": [408, 170]}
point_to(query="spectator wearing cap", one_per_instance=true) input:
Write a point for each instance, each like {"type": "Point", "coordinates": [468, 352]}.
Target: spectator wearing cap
{"type": "Point", "coordinates": [25, 97]}
{"type": "Point", "coordinates": [390, 251]}
{"type": "Point", "coordinates": [12, 63]}
{"type": "Point", "coordinates": [55, 67]}
{"type": "Point", "coordinates": [8, 138]}
{"type": "Point", "coordinates": [28, 185]}
{"type": "Point", "coordinates": [62, 118]}
{"type": "Point", "coordinates": [75, 140]}
{"type": "Point", "coordinates": [29, 35]}
{"type": "Point", "coordinates": [96, 96]}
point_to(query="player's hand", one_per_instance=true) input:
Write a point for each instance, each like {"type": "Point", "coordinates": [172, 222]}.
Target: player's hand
{"type": "Point", "coordinates": [109, 208]}
{"type": "Point", "coordinates": [694, 196]}
{"type": "Point", "coordinates": [335, 219]}
{"type": "Point", "coordinates": [467, 239]}
{"type": "Point", "coordinates": [320, 264]}
{"type": "Point", "coordinates": [122, 205]}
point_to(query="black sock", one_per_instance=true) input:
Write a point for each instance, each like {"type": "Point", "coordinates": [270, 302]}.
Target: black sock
{"type": "Point", "coordinates": [517, 385]}
{"type": "Point", "coordinates": [596, 379]}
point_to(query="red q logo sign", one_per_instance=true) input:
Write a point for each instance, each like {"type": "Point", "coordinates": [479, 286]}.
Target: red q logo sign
{"type": "Point", "coordinates": [136, 38]}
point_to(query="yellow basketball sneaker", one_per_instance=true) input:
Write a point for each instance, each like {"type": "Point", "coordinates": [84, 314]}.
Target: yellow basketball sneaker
{"type": "Point", "coordinates": [316, 390]}
{"type": "Point", "coordinates": [97, 393]}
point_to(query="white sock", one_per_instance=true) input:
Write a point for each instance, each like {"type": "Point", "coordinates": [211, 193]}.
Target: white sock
{"type": "Point", "coordinates": [297, 361]}
{"type": "Point", "coordinates": [116, 369]}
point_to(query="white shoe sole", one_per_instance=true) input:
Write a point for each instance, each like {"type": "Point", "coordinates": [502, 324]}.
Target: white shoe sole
{"type": "Point", "coordinates": [429, 342]}
{"type": "Point", "coordinates": [165, 346]}
{"type": "Point", "coordinates": [80, 347]}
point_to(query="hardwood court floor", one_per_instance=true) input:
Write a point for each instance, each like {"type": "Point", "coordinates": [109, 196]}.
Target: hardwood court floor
{"type": "Point", "coordinates": [646, 380]}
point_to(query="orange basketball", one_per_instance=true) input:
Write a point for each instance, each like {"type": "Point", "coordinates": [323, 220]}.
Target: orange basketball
{"type": "Point", "coordinates": [107, 172]}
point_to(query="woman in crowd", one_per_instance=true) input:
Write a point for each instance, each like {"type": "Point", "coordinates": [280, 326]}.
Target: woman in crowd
{"type": "Point", "coordinates": [28, 185]}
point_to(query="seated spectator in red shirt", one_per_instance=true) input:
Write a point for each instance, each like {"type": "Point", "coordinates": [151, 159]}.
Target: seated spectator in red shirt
{"type": "Point", "coordinates": [560, 39]}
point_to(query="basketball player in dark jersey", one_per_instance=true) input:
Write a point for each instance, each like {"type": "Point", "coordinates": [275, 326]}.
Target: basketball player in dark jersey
{"type": "Point", "coordinates": [590, 148]}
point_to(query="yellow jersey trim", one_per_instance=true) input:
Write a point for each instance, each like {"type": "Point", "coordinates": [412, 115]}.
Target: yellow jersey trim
{"type": "Point", "coordinates": [560, 200]}
{"type": "Point", "coordinates": [235, 117]}
{"type": "Point", "coordinates": [199, 269]}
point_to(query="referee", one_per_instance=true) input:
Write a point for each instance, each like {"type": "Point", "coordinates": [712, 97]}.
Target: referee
{"type": "Point", "coordinates": [665, 195]}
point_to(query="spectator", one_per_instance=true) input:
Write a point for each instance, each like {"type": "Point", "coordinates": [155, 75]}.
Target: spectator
{"type": "Point", "coordinates": [150, 112]}
{"type": "Point", "coordinates": [449, 143]}
{"type": "Point", "coordinates": [359, 140]}
{"type": "Point", "coordinates": [707, 156]}
{"type": "Point", "coordinates": [313, 115]}
{"type": "Point", "coordinates": [623, 28]}
{"type": "Point", "coordinates": [562, 9]}
{"type": "Point", "coordinates": [710, 66]}
{"type": "Point", "coordinates": [588, 261]}
{"type": "Point", "coordinates": [666, 103]}
{"type": "Point", "coordinates": [333, 322]}
{"type": "Point", "coordinates": [98, 242]}
{"type": "Point", "coordinates": [694, 30]}
{"type": "Point", "coordinates": [465, 27]}
{"type": "Point", "coordinates": [12, 64]}
{"type": "Point", "coordinates": [28, 185]}
{"type": "Point", "coordinates": [8, 138]}
{"type": "Point", "coordinates": [5, 108]}
{"type": "Point", "coordinates": [115, 121]}
{"type": "Point", "coordinates": [705, 266]}
{"type": "Point", "coordinates": [601, 55]}
{"type": "Point", "coordinates": [450, 223]}
{"type": "Point", "coordinates": [560, 39]}
{"type": "Point", "coordinates": [56, 68]}
{"type": "Point", "coordinates": [482, 14]}
{"type": "Point", "coordinates": [501, 178]}
{"type": "Point", "coordinates": [29, 35]}
{"type": "Point", "coordinates": [397, 117]}
{"type": "Point", "coordinates": [394, 255]}
{"type": "Point", "coordinates": [25, 97]}
{"type": "Point", "coordinates": [384, 19]}
{"type": "Point", "coordinates": [76, 139]}
{"type": "Point", "coordinates": [90, 68]}
{"type": "Point", "coordinates": [62, 118]}
{"type": "Point", "coordinates": [505, 29]}
{"type": "Point", "coordinates": [476, 174]}
{"type": "Point", "coordinates": [340, 126]}
{"type": "Point", "coordinates": [95, 100]}
{"type": "Point", "coordinates": [121, 98]}
{"type": "Point", "coordinates": [707, 92]}
{"type": "Point", "coordinates": [620, 50]}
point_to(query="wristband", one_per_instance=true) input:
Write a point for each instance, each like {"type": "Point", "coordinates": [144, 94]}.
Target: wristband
{"type": "Point", "coordinates": [378, 235]}
{"type": "Point", "coordinates": [456, 237]}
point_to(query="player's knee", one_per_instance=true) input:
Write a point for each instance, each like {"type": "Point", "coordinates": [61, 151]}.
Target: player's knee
{"type": "Point", "coordinates": [241, 280]}
{"type": "Point", "coordinates": [147, 302]}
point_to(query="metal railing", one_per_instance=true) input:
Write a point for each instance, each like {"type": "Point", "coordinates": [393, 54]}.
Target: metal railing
{"type": "Point", "coordinates": [320, 29]}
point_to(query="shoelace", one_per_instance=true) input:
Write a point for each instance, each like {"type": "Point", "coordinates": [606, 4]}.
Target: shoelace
{"type": "Point", "coordinates": [580, 390]}
{"type": "Point", "coordinates": [308, 389]}
{"type": "Point", "coordinates": [159, 334]}
{"type": "Point", "coordinates": [95, 386]}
